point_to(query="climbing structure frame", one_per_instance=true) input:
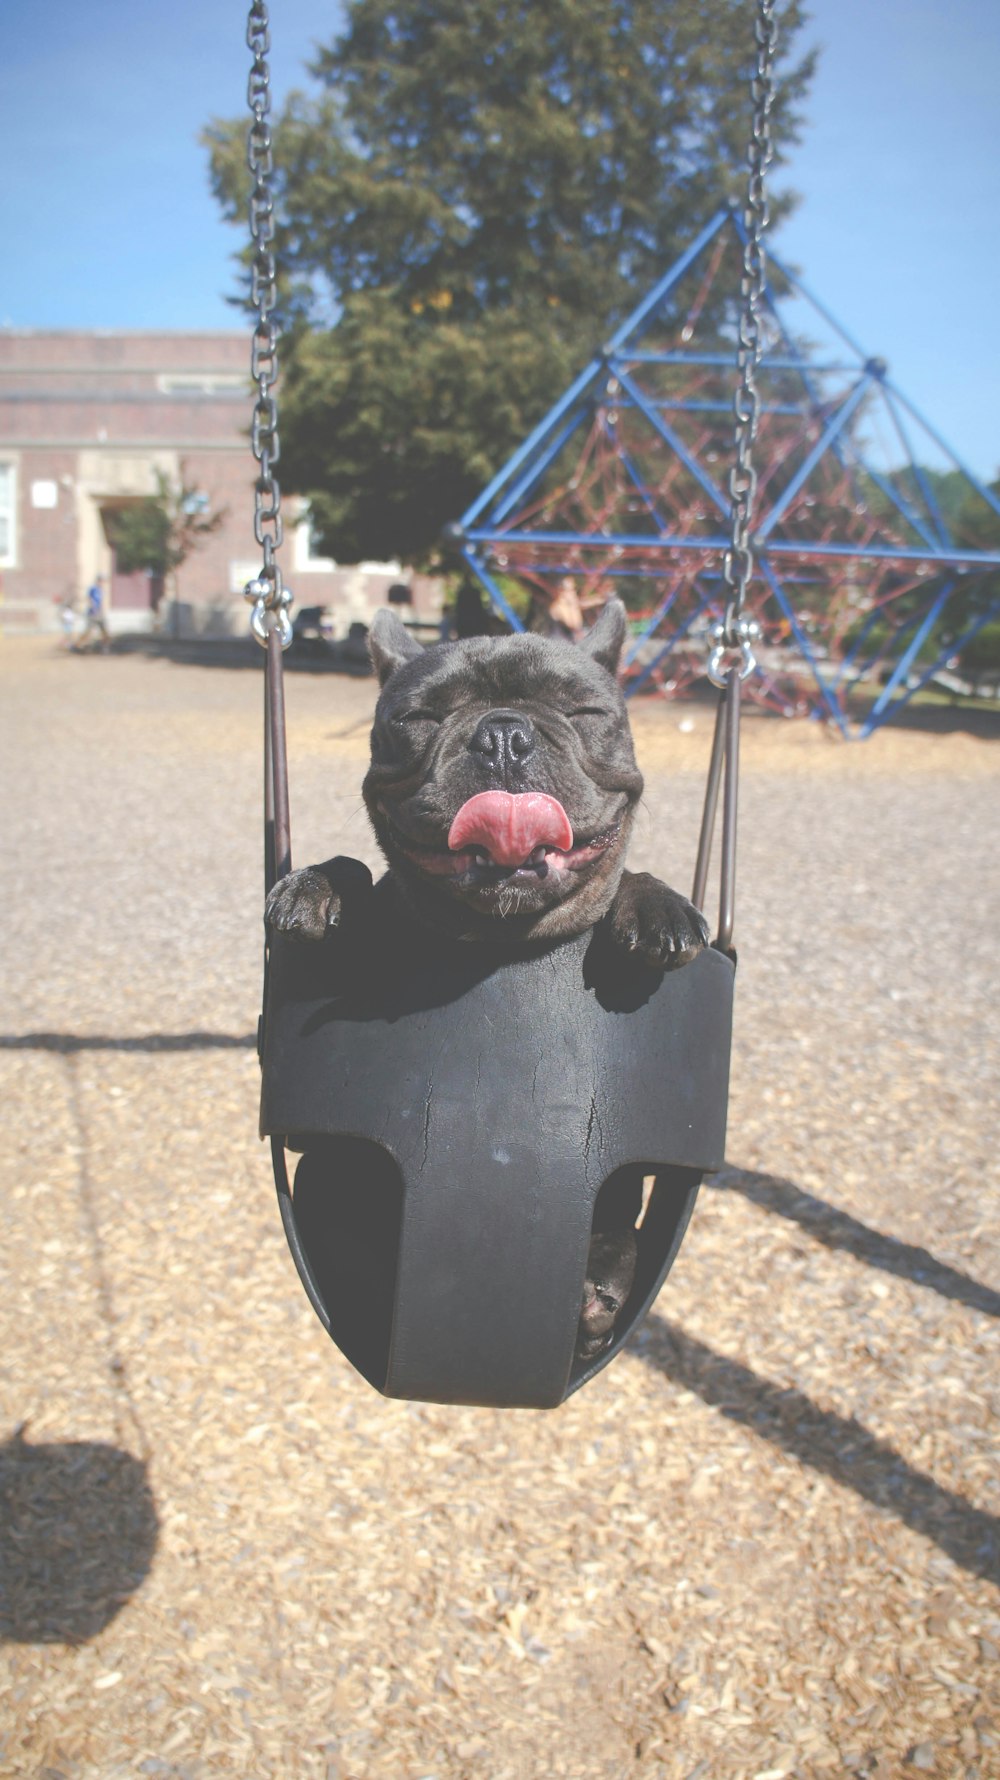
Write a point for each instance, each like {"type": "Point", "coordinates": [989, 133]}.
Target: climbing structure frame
{"type": "Point", "coordinates": [863, 588]}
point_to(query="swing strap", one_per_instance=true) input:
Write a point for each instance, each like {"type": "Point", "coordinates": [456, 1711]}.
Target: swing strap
{"type": "Point", "coordinates": [725, 755]}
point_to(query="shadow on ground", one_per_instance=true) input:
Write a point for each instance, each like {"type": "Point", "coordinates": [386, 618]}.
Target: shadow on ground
{"type": "Point", "coordinates": [837, 1229]}
{"type": "Point", "coordinates": [68, 1044]}
{"type": "Point", "coordinates": [306, 656]}
{"type": "Point", "coordinates": [836, 1446]}
{"type": "Point", "coordinates": [78, 1530]}
{"type": "Point", "coordinates": [967, 716]}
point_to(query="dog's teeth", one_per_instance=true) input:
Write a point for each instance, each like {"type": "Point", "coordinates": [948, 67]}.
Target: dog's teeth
{"type": "Point", "coordinates": [537, 857]}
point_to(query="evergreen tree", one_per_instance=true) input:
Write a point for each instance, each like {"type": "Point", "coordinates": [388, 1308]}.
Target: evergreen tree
{"type": "Point", "coordinates": [479, 189]}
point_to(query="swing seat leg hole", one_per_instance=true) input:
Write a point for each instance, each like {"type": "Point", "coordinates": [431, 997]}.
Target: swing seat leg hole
{"type": "Point", "coordinates": [639, 1222]}
{"type": "Point", "coordinates": [611, 1261]}
{"type": "Point", "coordinates": [348, 1204]}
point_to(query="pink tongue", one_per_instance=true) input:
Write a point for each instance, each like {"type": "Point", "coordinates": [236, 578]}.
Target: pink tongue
{"type": "Point", "coordinates": [510, 827]}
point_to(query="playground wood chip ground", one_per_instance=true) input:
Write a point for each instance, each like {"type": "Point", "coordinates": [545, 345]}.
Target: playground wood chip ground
{"type": "Point", "coordinates": [762, 1545]}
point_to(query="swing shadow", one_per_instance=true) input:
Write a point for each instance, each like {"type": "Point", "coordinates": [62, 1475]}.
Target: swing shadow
{"type": "Point", "coordinates": [837, 1446]}
{"type": "Point", "coordinates": [78, 1533]}
{"type": "Point", "coordinates": [838, 1230]}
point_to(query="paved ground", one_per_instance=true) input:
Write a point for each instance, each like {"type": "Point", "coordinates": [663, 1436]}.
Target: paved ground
{"type": "Point", "coordinates": [762, 1544]}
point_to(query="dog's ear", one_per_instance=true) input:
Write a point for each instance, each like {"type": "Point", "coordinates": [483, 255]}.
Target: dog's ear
{"type": "Point", "coordinates": [606, 639]}
{"type": "Point", "coordinates": [390, 644]}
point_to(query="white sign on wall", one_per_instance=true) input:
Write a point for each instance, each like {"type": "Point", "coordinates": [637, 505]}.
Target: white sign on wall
{"type": "Point", "coordinates": [242, 572]}
{"type": "Point", "coordinates": [44, 494]}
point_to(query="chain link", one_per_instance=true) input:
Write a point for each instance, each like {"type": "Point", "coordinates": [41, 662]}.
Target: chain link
{"type": "Point", "coordinates": [269, 598]}
{"type": "Point", "coordinates": [738, 632]}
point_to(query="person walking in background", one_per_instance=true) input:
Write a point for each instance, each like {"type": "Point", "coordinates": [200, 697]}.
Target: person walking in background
{"type": "Point", "coordinates": [96, 620]}
{"type": "Point", "coordinates": [67, 620]}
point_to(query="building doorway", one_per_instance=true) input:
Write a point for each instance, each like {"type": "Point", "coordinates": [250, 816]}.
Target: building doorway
{"type": "Point", "coordinates": [134, 590]}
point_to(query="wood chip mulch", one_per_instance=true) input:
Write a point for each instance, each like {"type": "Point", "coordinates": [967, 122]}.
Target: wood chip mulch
{"type": "Point", "coordinates": [763, 1544]}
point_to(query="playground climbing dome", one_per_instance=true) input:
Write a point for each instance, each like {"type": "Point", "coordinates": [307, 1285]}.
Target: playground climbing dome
{"type": "Point", "coordinates": [864, 588]}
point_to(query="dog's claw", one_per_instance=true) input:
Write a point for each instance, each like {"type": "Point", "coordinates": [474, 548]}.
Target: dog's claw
{"type": "Point", "coordinates": [649, 918]}
{"type": "Point", "coordinates": [303, 905]}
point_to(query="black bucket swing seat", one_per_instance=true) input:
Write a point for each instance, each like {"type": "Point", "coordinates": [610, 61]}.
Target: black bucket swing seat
{"type": "Point", "coordinates": [464, 1123]}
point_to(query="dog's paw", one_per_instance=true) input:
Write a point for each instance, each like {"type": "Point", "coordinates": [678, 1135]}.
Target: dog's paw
{"type": "Point", "coordinates": [610, 1276]}
{"type": "Point", "coordinates": [655, 923]}
{"type": "Point", "coordinates": [304, 905]}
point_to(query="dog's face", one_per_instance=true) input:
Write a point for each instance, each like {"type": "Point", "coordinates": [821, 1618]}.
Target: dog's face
{"type": "Point", "coordinates": [503, 780]}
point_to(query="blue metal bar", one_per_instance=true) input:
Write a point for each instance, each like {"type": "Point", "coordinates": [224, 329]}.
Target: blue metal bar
{"type": "Point", "coordinates": [811, 659]}
{"type": "Point", "coordinates": [979, 487]}
{"type": "Point", "coordinates": [634, 686]}
{"type": "Point", "coordinates": [676, 444]}
{"type": "Point", "coordinates": [796, 357]}
{"type": "Point", "coordinates": [539, 465]}
{"type": "Point", "coordinates": [951, 557]}
{"type": "Point", "coordinates": [849, 464]}
{"type": "Point", "coordinates": [714, 407]}
{"type": "Point", "coordinates": [654, 621]}
{"type": "Point", "coordinates": [883, 383]}
{"type": "Point", "coordinates": [652, 301]}
{"type": "Point", "coordinates": [797, 361]}
{"type": "Point", "coordinates": [836, 426]}
{"type": "Point", "coordinates": [950, 649]}
{"type": "Point", "coordinates": [910, 654]}
{"type": "Point", "coordinates": [903, 508]}
{"type": "Point", "coordinates": [865, 631]}
{"type": "Point", "coordinates": [640, 488]}
{"type": "Point", "coordinates": [944, 535]}
{"type": "Point", "coordinates": [493, 590]}
{"type": "Point", "coordinates": [858, 457]}
{"type": "Point", "coordinates": [727, 359]}
{"type": "Point", "coordinates": [987, 559]}
{"type": "Point", "coordinates": [668, 647]}
{"type": "Point", "coordinates": [895, 639]}
{"type": "Point", "coordinates": [869, 624]}
{"type": "Point", "coordinates": [611, 572]}
{"type": "Point", "coordinates": [831, 320]}
{"type": "Point", "coordinates": [594, 369]}
{"type": "Point", "coordinates": [877, 613]}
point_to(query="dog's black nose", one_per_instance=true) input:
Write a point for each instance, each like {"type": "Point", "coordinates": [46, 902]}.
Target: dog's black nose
{"type": "Point", "coordinates": [504, 739]}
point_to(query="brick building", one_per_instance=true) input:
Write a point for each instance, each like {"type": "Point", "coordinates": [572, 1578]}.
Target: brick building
{"type": "Point", "coordinates": [86, 422]}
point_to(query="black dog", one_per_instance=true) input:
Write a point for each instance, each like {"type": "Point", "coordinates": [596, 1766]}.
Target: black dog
{"type": "Point", "coordinates": [502, 790]}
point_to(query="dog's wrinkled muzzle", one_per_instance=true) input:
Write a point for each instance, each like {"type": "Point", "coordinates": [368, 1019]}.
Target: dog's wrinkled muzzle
{"type": "Point", "coordinates": [509, 827]}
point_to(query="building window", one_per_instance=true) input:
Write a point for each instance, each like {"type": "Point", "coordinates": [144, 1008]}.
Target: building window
{"type": "Point", "coordinates": [202, 383]}
{"type": "Point", "coordinates": [8, 514]}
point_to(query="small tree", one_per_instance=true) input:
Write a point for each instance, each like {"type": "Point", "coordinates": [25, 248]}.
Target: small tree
{"type": "Point", "coordinates": [158, 533]}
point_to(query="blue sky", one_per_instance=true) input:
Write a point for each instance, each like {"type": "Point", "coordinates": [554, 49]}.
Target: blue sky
{"type": "Point", "coordinates": [108, 221]}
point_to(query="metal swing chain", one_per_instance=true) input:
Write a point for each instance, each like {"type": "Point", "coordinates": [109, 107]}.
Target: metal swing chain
{"type": "Point", "coordinates": [265, 592]}
{"type": "Point", "coordinates": [269, 620]}
{"type": "Point", "coordinates": [737, 632]}
{"type": "Point", "coordinates": [732, 659]}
